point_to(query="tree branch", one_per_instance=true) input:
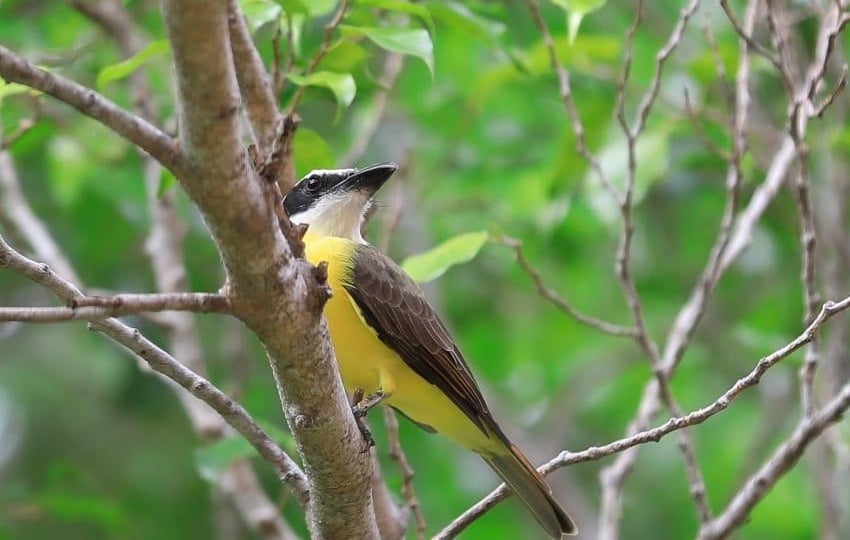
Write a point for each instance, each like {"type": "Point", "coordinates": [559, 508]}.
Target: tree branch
{"type": "Point", "coordinates": [698, 416]}
{"type": "Point", "coordinates": [157, 144]}
{"type": "Point", "coordinates": [775, 467]}
{"type": "Point", "coordinates": [558, 301]}
{"type": "Point", "coordinates": [254, 83]}
{"type": "Point", "coordinates": [101, 307]}
{"type": "Point", "coordinates": [278, 297]}
{"type": "Point", "coordinates": [163, 363]}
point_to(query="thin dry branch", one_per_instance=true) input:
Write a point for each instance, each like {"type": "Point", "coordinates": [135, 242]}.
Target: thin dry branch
{"type": "Point", "coordinates": [746, 35]}
{"type": "Point", "coordinates": [324, 47]}
{"type": "Point", "coordinates": [810, 427]}
{"type": "Point", "coordinates": [157, 144]}
{"type": "Point", "coordinates": [238, 481]}
{"type": "Point", "coordinates": [279, 297]}
{"type": "Point", "coordinates": [613, 478]}
{"type": "Point", "coordinates": [102, 307]}
{"type": "Point", "coordinates": [407, 473]}
{"type": "Point", "coordinates": [565, 89]}
{"type": "Point", "coordinates": [163, 363]}
{"type": "Point", "coordinates": [559, 301]}
{"type": "Point", "coordinates": [698, 416]}
{"type": "Point", "coordinates": [254, 82]}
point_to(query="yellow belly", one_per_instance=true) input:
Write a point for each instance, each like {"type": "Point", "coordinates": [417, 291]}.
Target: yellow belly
{"type": "Point", "coordinates": [365, 362]}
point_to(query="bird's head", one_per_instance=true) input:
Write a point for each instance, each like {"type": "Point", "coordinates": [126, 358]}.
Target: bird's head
{"type": "Point", "coordinates": [334, 202]}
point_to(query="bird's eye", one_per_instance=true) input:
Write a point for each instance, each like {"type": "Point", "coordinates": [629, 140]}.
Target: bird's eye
{"type": "Point", "coordinates": [313, 185]}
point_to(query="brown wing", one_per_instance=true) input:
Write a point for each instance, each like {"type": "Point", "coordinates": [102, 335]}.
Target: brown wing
{"type": "Point", "coordinates": [394, 305]}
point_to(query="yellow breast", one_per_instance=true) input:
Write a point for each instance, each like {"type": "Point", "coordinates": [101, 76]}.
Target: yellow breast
{"type": "Point", "coordinates": [365, 362]}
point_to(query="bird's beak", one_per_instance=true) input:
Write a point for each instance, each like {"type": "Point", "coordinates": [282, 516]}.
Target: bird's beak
{"type": "Point", "coordinates": [370, 179]}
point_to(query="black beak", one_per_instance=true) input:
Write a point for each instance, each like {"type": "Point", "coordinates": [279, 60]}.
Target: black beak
{"type": "Point", "coordinates": [372, 177]}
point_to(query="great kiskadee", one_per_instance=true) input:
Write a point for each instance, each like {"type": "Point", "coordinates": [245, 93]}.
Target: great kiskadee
{"type": "Point", "coordinates": [389, 341]}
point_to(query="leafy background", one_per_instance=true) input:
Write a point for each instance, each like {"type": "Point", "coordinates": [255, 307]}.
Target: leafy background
{"type": "Point", "coordinates": [91, 446]}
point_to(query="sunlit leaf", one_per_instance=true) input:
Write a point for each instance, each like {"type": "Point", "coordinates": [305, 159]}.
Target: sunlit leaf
{"type": "Point", "coordinates": [341, 84]}
{"type": "Point", "coordinates": [410, 41]}
{"type": "Point", "coordinates": [344, 56]}
{"type": "Point", "coordinates": [434, 262]}
{"type": "Point", "coordinates": [294, 6]}
{"type": "Point", "coordinates": [123, 69]}
{"type": "Point", "coordinates": [402, 6]}
{"type": "Point", "coordinates": [576, 11]}
{"type": "Point", "coordinates": [320, 7]}
{"type": "Point", "coordinates": [260, 12]}
{"type": "Point", "coordinates": [459, 16]}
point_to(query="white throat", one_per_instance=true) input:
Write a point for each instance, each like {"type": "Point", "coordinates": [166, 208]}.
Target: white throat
{"type": "Point", "coordinates": [338, 215]}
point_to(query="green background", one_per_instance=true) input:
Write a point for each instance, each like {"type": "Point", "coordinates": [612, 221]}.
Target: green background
{"type": "Point", "coordinates": [93, 447]}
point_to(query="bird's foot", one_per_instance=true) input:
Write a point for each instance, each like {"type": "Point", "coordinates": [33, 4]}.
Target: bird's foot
{"type": "Point", "coordinates": [360, 406]}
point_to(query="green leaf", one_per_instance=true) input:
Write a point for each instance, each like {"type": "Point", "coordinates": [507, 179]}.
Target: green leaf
{"type": "Point", "coordinates": [576, 11]}
{"type": "Point", "coordinates": [123, 69]}
{"type": "Point", "coordinates": [344, 56]}
{"type": "Point", "coordinates": [260, 12]}
{"type": "Point", "coordinates": [341, 84]}
{"type": "Point", "coordinates": [459, 16]}
{"type": "Point", "coordinates": [434, 262]}
{"type": "Point", "coordinates": [293, 6]}
{"type": "Point", "coordinates": [410, 41]}
{"type": "Point", "coordinates": [402, 6]}
{"type": "Point", "coordinates": [320, 7]}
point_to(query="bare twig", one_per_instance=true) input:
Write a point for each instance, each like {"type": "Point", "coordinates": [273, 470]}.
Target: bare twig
{"type": "Point", "coordinates": [564, 459]}
{"type": "Point", "coordinates": [612, 479]}
{"type": "Point", "coordinates": [392, 518]}
{"type": "Point", "coordinates": [101, 307]}
{"type": "Point", "coordinates": [775, 467]}
{"type": "Point", "coordinates": [833, 95]}
{"type": "Point", "coordinates": [557, 300]}
{"type": "Point", "coordinates": [160, 146]}
{"type": "Point", "coordinates": [324, 47]}
{"type": "Point", "coordinates": [237, 482]}
{"type": "Point", "coordinates": [25, 125]}
{"type": "Point", "coordinates": [565, 89]}
{"type": "Point", "coordinates": [746, 35]}
{"type": "Point", "coordinates": [278, 296]}
{"type": "Point", "coordinates": [254, 84]}
{"type": "Point", "coordinates": [162, 362]}
{"type": "Point", "coordinates": [407, 473]}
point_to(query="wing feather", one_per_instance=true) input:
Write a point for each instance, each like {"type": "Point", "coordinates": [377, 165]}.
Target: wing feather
{"type": "Point", "coordinates": [394, 305]}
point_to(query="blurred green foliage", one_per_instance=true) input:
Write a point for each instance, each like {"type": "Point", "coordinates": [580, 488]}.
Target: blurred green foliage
{"type": "Point", "coordinates": [93, 447]}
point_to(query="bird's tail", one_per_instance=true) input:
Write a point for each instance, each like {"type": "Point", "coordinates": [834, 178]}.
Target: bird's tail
{"type": "Point", "coordinates": [521, 476]}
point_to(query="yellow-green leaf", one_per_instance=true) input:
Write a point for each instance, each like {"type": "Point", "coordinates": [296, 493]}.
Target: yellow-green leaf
{"type": "Point", "coordinates": [410, 41]}
{"type": "Point", "coordinates": [341, 84]}
{"type": "Point", "coordinates": [402, 6]}
{"type": "Point", "coordinates": [260, 12]}
{"type": "Point", "coordinates": [124, 68]}
{"type": "Point", "coordinates": [434, 262]}
{"type": "Point", "coordinates": [576, 11]}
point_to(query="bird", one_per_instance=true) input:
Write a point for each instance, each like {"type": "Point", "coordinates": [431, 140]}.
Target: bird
{"type": "Point", "coordinates": [391, 345]}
